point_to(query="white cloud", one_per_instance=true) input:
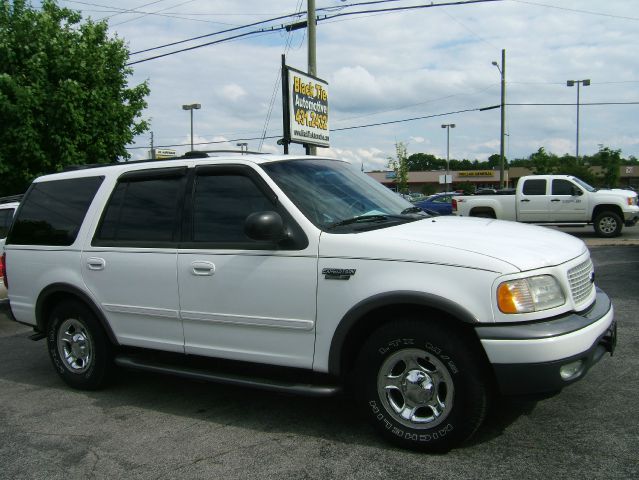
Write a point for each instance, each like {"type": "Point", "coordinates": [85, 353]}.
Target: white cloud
{"type": "Point", "coordinates": [233, 92]}
{"type": "Point", "coordinates": [391, 67]}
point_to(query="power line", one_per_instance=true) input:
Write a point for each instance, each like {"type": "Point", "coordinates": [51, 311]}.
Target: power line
{"type": "Point", "coordinates": [576, 10]}
{"type": "Point", "coordinates": [281, 27]}
{"type": "Point", "coordinates": [300, 13]}
{"type": "Point", "coordinates": [391, 122]}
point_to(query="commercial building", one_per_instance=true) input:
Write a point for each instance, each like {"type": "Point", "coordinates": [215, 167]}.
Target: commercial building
{"type": "Point", "coordinates": [628, 177]}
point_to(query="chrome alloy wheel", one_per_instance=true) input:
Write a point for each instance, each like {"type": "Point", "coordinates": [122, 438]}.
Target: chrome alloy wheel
{"type": "Point", "coordinates": [75, 346]}
{"type": "Point", "coordinates": [416, 388]}
{"type": "Point", "coordinates": [607, 225]}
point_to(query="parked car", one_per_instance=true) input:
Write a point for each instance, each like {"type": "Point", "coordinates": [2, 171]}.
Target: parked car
{"type": "Point", "coordinates": [441, 203]}
{"type": "Point", "coordinates": [8, 206]}
{"type": "Point", "coordinates": [302, 275]}
{"type": "Point", "coordinates": [556, 200]}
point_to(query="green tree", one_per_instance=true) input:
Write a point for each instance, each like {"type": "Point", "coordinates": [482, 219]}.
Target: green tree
{"type": "Point", "coordinates": [611, 161]}
{"type": "Point", "coordinates": [399, 165]}
{"type": "Point", "coordinates": [64, 94]}
{"type": "Point", "coordinates": [542, 162]}
{"type": "Point", "coordinates": [421, 162]}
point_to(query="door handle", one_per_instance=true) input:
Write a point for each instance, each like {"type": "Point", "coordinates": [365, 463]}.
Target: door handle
{"type": "Point", "coordinates": [96, 263]}
{"type": "Point", "coordinates": [201, 268]}
{"type": "Point", "coordinates": [524, 200]}
{"type": "Point", "coordinates": [555, 200]}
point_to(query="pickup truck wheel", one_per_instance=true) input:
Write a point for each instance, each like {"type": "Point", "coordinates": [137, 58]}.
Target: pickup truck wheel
{"type": "Point", "coordinates": [78, 347]}
{"type": "Point", "coordinates": [420, 386]}
{"type": "Point", "coordinates": [608, 224]}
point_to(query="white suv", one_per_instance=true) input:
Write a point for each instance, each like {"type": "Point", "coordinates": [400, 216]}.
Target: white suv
{"type": "Point", "coordinates": [226, 268]}
{"type": "Point", "coordinates": [8, 206]}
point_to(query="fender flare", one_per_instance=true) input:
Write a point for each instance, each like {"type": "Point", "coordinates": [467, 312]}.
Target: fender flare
{"type": "Point", "coordinates": [71, 290]}
{"type": "Point", "coordinates": [404, 297]}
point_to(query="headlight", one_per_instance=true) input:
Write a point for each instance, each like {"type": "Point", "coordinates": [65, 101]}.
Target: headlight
{"type": "Point", "coordinates": [531, 294]}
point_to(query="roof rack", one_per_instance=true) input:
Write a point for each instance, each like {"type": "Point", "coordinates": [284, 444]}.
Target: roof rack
{"type": "Point", "coordinates": [11, 198]}
{"type": "Point", "coordinates": [189, 154]}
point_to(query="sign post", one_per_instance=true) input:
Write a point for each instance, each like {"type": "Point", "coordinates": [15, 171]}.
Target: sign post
{"type": "Point", "coordinates": [305, 108]}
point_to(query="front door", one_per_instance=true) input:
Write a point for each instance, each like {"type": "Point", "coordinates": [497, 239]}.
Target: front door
{"type": "Point", "coordinates": [240, 298]}
{"type": "Point", "coordinates": [567, 202]}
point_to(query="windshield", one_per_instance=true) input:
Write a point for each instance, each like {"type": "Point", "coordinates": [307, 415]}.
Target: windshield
{"type": "Point", "coordinates": [584, 184]}
{"type": "Point", "coordinates": [333, 194]}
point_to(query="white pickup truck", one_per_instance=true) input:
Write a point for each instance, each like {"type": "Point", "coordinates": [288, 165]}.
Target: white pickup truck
{"type": "Point", "coordinates": [556, 200]}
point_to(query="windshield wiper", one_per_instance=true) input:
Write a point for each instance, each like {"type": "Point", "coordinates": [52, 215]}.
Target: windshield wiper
{"type": "Point", "coordinates": [411, 210]}
{"type": "Point", "coordinates": [358, 219]}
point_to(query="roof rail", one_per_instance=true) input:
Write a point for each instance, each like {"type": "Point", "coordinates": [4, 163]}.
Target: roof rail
{"type": "Point", "coordinates": [190, 154]}
{"type": "Point", "coordinates": [11, 198]}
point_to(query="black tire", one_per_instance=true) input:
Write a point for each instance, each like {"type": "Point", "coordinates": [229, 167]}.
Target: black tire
{"type": "Point", "coordinates": [608, 224]}
{"type": "Point", "coordinates": [78, 346]}
{"type": "Point", "coordinates": [422, 386]}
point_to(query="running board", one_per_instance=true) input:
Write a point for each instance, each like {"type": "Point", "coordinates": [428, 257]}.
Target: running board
{"type": "Point", "coordinates": [229, 379]}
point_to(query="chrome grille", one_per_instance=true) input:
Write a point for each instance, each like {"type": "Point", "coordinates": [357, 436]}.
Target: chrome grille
{"type": "Point", "coordinates": [579, 279]}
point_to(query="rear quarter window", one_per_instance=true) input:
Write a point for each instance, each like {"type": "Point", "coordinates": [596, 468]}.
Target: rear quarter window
{"type": "Point", "coordinates": [52, 212]}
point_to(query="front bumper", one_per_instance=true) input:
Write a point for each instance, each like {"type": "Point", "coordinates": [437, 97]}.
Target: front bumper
{"type": "Point", "coordinates": [528, 358]}
{"type": "Point", "coordinates": [631, 220]}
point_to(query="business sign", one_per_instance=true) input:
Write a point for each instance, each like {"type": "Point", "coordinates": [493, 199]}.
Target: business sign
{"type": "Point", "coordinates": [476, 173]}
{"type": "Point", "coordinates": [161, 153]}
{"type": "Point", "coordinates": [307, 109]}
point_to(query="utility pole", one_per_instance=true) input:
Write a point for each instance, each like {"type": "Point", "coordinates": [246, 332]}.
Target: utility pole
{"type": "Point", "coordinates": [502, 71]}
{"type": "Point", "coordinates": [152, 148]}
{"type": "Point", "coordinates": [312, 54]}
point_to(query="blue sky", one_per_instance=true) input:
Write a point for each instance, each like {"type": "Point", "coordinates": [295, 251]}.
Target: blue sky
{"type": "Point", "coordinates": [394, 66]}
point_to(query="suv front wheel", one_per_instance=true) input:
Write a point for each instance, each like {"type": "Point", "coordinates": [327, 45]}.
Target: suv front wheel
{"type": "Point", "coordinates": [421, 386]}
{"type": "Point", "coordinates": [78, 347]}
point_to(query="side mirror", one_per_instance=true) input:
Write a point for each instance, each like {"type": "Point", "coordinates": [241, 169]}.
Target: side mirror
{"type": "Point", "coordinates": [264, 226]}
{"type": "Point", "coordinates": [577, 191]}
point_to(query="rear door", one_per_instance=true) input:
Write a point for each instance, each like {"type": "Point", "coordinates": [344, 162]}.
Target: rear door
{"type": "Point", "coordinates": [533, 203]}
{"type": "Point", "coordinates": [131, 265]}
{"type": "Point", "coordinates": [240, 298]}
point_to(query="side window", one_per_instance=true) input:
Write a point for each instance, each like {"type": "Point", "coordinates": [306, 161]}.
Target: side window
{"type": "Point", "coordinates": [143, 211]}
{"type": "Point", "coordinates": [52, 212]}
{"type": "Point", "coordinates": [562, 187]}
{"type": "Point", "coordinates": [221, 203]}
{"type": "Point", "coordinates": [6, 214]}
{"type": "Point", "coordinates": [534, 187]}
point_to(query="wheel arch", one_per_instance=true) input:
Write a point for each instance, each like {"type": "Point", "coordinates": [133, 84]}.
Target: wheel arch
{"type": "Point", "coordinates": [605, 208]}
{"type": "Point", "coordinates": [57, 292]}
{"type": "Point", "coordinates": [371, 313]}
{"type": "Point", "coordinates": [481, 211]}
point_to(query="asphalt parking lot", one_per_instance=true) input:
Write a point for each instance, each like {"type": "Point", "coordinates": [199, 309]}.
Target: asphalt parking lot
{"type": "Point", "coordinates": [151, 426]}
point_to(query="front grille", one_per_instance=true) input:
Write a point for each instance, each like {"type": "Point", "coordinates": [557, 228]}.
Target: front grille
{"type": "Point", "coordinates": [580, 281]}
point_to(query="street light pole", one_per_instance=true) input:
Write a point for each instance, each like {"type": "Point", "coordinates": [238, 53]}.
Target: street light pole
{"type": "Point", "coordinates": [447, 126]}
{"type": "Point", "coordinates": [571, 83]}
{"type": "Point", "coordinates": [191, 107]}
{"type": "Point", "coordinates": [502, 71]}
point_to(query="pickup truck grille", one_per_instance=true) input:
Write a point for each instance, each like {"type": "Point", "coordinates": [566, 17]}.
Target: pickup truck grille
{"type": "Point", "coordinates": [581, 284]}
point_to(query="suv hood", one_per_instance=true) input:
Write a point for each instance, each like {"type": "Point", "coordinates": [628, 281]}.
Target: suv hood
{"type": "Point", "coordinates": [494, 245]}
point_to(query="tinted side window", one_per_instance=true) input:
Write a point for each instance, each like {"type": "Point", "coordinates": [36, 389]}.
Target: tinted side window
{"type": "Point", "coordinates": [221, 204]}
{"type": "Point", "coordinates": [562, 187]}
{"type": "Point", "coordinates": [534, 187]}
{"type": "Point", "coordinates": [143, 212]}
{"type": "Point", "coordinates": [6, 215]}
{"type": "Point", "coordinates": [52, 212]}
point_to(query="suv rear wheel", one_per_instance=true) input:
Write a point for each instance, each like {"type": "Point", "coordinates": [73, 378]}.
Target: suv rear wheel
{"type": "Point", "coordinates": [78, 347]}
{"type": "Point", "coordinates": [421, 386]}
